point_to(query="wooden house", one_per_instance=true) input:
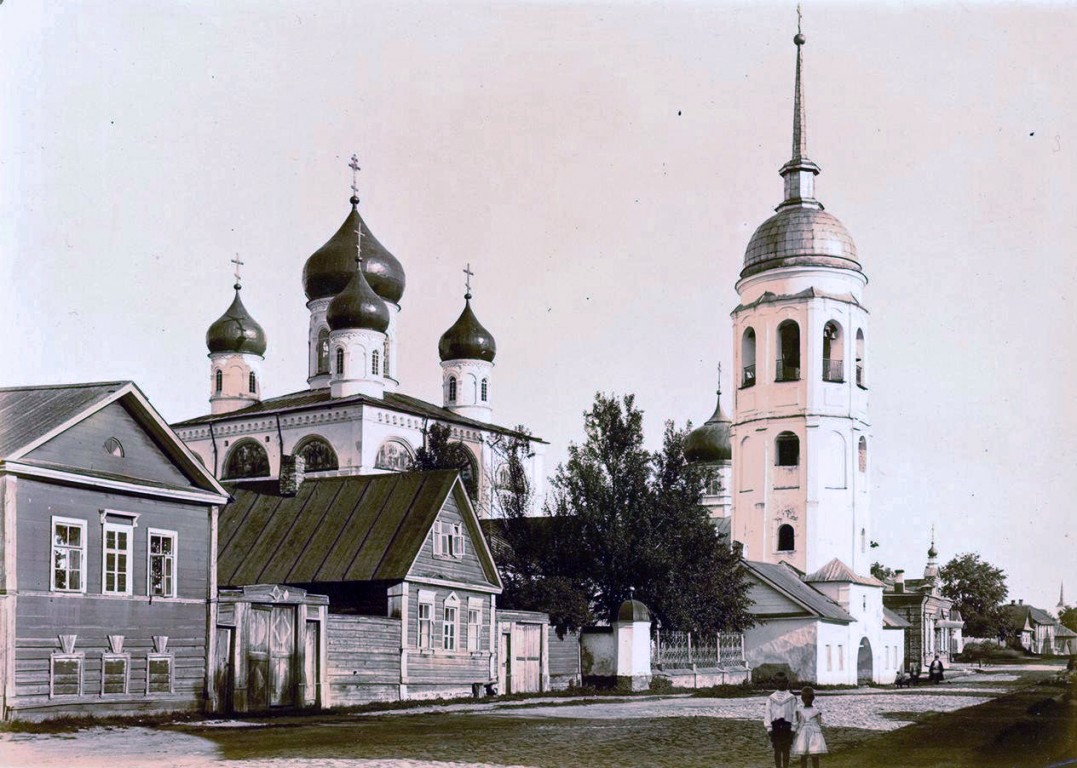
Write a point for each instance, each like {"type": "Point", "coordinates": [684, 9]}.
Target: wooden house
{"type": "Point", "coordinates": [106, 572]}
{"type": "Point", "coordinates": [410, 581]}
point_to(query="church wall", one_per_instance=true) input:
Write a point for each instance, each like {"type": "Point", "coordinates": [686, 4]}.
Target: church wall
{"type": "Point", "coordinates": [784, 641]}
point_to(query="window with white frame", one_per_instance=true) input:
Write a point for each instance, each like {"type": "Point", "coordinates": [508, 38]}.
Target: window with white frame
{"type": "Point", "coordinates": [448, 623]}
{"type": "Point", "coordinates": [161, 565]}
{"type": "Point", "coordinates": [68, 555]}
{"type": "Point", "coordinates": [841, 657]}
{"type": "Point", "coordinates": [829, 660]}
{"type": "Point", "coordinates": [65, 674]}
{"type": "Point", "coordinates": [116, 559]}
{"type": "Point", "coordinates": [159, 669]}
{"type": "Point", "coordinates": [425, 635]}
{"type": "Point", "coordinates": [474, 624]}
{"type": "Point", "coordinates": [115, 674]}
{"type": "Point", "coordinates": [448, 539]}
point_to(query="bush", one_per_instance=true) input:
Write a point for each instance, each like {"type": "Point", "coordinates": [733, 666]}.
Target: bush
{"type": "Point", "coordinates": [764, 674]}
{"type": "Point", "coordinates": [989, 652]}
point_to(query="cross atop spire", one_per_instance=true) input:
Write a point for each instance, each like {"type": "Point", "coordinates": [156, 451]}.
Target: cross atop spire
{"type": "Point", "coordinates": [800, 172]}
{"type": "Point", "coordinates": [238, 264]}
{"type": "Point", "coordinates": [719, 381]}
{"type": "Point", "coordinates": [467, 280]}
{"type": "Point", "coordinates": [354, 165]}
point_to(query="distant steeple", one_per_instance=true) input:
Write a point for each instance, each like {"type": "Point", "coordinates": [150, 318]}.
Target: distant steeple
{"type": "Point", "coordinates": [800, 172]}
{"type": "Point", "coordinates": [1061, 598]}
{"type": "Point", "coordinates": [931, 570]}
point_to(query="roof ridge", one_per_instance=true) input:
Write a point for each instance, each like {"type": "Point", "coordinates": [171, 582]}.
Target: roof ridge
{"type": "Point", "coordinates": [80, 385]}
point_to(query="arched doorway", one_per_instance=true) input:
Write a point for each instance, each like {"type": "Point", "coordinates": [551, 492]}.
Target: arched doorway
{"type": "Point", "coordinates": [863, 663]}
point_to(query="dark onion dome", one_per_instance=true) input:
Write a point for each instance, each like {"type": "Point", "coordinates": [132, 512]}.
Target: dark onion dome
{"type": "Point", "coordinates": [467, 339]}
{"type": "Point", "coordinates": [329, 268]}
{"type": "Point", "coordinates": [357, 306]}
{"type": "Point", "coordinates": [800, 236]}
{"type": "Point", "coordinates": [236, 331]}
{"type": "Point", "coordinates": [710, 442]}
{"type": "Point", "coordinates": [633, 610]}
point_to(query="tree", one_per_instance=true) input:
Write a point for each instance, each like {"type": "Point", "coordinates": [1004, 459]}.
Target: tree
{"type": "Point", "coordinates": [440, 451]}
{"type": "Point", "coordinates": [625, 521]}
{"type": "Point", "coordinates": [978, 590]}
{"type": "Point", "coordinates": [513, 495]}
{"type": "Point", "coordinates": [1068, 618]}
{"type": "Point", "coordinates": [881, 572]}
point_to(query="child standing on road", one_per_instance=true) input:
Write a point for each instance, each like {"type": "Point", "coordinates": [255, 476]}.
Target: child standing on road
{"type": "Point", "coordinates": [809, 727]}
{"type": "Point", "coordinates": [778, 719]}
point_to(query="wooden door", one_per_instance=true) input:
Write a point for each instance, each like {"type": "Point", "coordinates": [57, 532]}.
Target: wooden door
{"type": "Point", "coordinates": [258, 657]}
{"type": "Point", "coordinates": [222, 669]}
{"type": "Point", "coordinates": [527, 659]}
{"type": "Point", "coordinates": [311, 669]}
{"type": "Point", "coordinates": [504, 679]}
{"type": "Point", "coordinates": [282, 656]}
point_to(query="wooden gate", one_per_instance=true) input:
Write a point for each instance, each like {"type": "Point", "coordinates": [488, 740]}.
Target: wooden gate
{"type": "Point", "coordinates": [504, 679]}
{"type": "Point", "coordinates": [310, 664]}
{"type": "Point", "coordinates": [271, 656]}
{"type": "Point", "coordinates": [527, 658]}
{"type": "Point", "coordinates": [222, 669]}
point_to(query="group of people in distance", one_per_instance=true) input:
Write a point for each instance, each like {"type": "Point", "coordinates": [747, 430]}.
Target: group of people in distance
{"type": "Point", "coordinates": [794, 727]}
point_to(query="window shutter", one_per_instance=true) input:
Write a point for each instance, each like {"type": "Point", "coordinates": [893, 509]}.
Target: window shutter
{"type": "Point", "coordinates": [437, 538]}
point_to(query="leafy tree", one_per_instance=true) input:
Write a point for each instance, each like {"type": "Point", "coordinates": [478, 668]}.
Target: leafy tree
{"type": "Point", "coordinates": [513, 496]}
{"type": "Point", "coordinates": [623, 522]}
{"type": "Point", "coordinates": [881, 572]}
{"type": "Point", "coordinates": [978, 590]}
{"type": "Point", "coordinates": [440, 451]}
{"type": "Point", "coordinates": [1068, 618]}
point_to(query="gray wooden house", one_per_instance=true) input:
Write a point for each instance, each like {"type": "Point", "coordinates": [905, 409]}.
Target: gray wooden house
{"type": "Point", "coordinates": [106, 572]}
{"type": "Point", "coordinates": [410, 581]}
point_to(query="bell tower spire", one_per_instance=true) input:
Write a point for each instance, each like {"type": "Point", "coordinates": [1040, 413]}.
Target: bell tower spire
{"type": "Point", "coordinates": [800, 172]}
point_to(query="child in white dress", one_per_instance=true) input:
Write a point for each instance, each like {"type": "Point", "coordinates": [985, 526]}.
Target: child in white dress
{"type": "Point", "coordinates": [809, 728]}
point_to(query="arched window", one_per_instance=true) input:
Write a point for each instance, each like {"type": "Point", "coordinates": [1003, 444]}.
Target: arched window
{"type": "Point", "coordinates": [747, 358]}
{"type": "Point", "coordinates": [485, 389]}
{"type": "Point", "coordinates": [862, 454]}
{"type": "Point", "coordinates": [114, 447]}
{"type": "Point", "coordinates": [861, 380]}
{"type": "Point", "coordinates": [218, 380]}
{"type": "Point", "coordinates": [385, 357]}
{"type": "Point", "coordinates": [323, 351]}
{"type": "Point", "coordinates": [788, 367]}
{"type": "Point", "coordinates": [318, 455]}
{"type": "Point", "coordinates": [247, 459]}
{"type": "Point", "coordinates": [786, 538]}
{"type": "Point", "coordinates": [395, 455]}
{"type": "Point", "coordinates": [374, 367]}
{"type": "Point", "coordinates": [452, 389]}
{"type": "Point", "coordinates": [787, 450]}
{"type": "Point", "coordinates": [340, 361]}
{"type": "Point", "coordinates": [833, 362]}
{"type": "Point", "coordinates": [252, 383]}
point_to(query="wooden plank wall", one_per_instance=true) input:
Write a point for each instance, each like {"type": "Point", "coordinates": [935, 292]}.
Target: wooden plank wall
{"type": "Point", "coordinates": [364, 659]}
{"type": "Point", "coordinates": [466, 569]}
{"type": "Point", "coordinates": [564, 655]}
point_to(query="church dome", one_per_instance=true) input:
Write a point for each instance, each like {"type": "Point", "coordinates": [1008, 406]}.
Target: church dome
{"type": "Point", "coordinates": [357, 306]}
{"type": "Point", "coordinates": [710, 441]}
{"type": "Point", "coordinates": [467, 339]}
{"type": "Point", "coordinates": [633, 610]}
{"type": "Point", "coordinates": [329, 268]}
{"type": "Point", "coordinates": [800, 236]}
{"type": "Point", "coordinates": [236, 331]}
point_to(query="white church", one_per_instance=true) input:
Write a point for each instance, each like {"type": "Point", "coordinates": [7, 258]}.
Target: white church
{"type": "Point", "coordinates": [793, 462]}
{"type": "Point", "coordinates": [353, 418]}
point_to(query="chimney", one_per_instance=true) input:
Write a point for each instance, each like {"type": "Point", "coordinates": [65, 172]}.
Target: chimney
{"type": "Point", "coordinates": [899, 580]}
{"type": "Point", "coordinates": [1021, 601]}
{"type": "Point", "coordinates": [291, 474]}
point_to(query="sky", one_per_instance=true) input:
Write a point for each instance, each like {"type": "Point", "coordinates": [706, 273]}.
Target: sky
{"type": "Point", "coordinates": [601, 167]}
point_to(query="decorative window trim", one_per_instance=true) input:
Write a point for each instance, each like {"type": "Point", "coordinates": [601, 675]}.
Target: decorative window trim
{"type": "Point", "coordinates": [218, 381]}
{"type": "Point", "coordinates": [449, 540]}
{"type": "Point", "coordinates": [127, 553]}
{"type": "Point", "coordinates": [79, 659]}
{"type": "Point", "coordinates": [452, 389]}
{"type": "Point", "coordinates": [424, 636]}
{"type": "Point", "coordinates": [375, 363]}
{"type": "Point", "coordinates": [450, 621]}
{"type": "Point", "coordinates": [474, 624]}
{"type": "Point", "coordinates": [485, 389]}
{"type": "Point", "coordinates": [340, 361]}
{"type": "Point", "coordinates": [81, 549]}
{"type": "Point", "coordinates": [252, 383]}
{"type": "Point", "coordinates": [113, 447]}
{"type": "Point", "coordinates": [173, 557]}
{"type": "Point", "coordinates": [159, 657]}
{"type": "Point", "coordinates": [108, 657]}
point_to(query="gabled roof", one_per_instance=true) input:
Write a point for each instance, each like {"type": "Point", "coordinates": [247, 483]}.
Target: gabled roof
{"type": "Point", "coordinates": [1061, 630]}
{"type": "Point", "coordinates": [838, 571]}
{"type": "Point", "coordinates": [1020, 615]}
{"type": "Point", "coordinates": [787, 581]}
{"type": "Point", "coordinates": [308, 399]}
{"type": "Point", "coordinates": [892, 619]}
{"type": "Point", "coordinates": [32, 416]}
{"type": "Point", "coordinates": [341, 529]}
{"type": "Point", "coordinates": [1040, 616]}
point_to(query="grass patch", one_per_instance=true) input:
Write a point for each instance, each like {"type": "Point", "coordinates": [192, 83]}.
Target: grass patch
{"type": "Point", "coordinates": [73, 724]}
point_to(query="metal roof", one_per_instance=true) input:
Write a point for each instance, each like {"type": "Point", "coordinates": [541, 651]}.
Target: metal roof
{"type": "Point", "coordinates": [787, 580]}
{"type": "Point", "coordinates": [315, 398]}
{"type": "Point", "coordinates": [892, 619]}
{"type": "Point", "coordinates": [838, 571]}
{"type": "Point", "coordinates": [29, 413]}
{"type": "Point", "coordinates": [340, 529]}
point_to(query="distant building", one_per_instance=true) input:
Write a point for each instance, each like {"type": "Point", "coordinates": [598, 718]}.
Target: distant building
{"type": "Point", "coordinates": [1032, 628]}
{"type": "Point", "coordinates": [107, 566]}
{"type": "Point", "coordinates": [794, 459]}
{"type": "Point", "coordinates": [935, 627]}
{"type": "Point", "coordinates": [352, 420]}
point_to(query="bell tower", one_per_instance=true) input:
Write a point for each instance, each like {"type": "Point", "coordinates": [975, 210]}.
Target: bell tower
{"type": "Point", "coordinates": [800, 432]}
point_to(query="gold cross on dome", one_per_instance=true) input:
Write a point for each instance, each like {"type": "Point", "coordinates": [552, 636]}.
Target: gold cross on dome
{"type": "Point", "coordinates": [467, 280]}
{"type": "Point", "coordinates": [719, 379]}
{"type": "Point", "coordinates": [799, 17]}
{"type": "Point", "coordinates": [354, 165]}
